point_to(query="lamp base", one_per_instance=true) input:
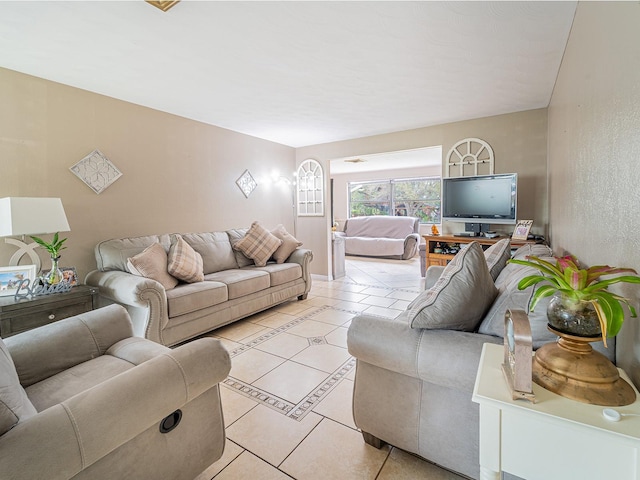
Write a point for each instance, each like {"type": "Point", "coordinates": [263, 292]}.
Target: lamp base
{"type": "Point", "coordinates": [572, 369]}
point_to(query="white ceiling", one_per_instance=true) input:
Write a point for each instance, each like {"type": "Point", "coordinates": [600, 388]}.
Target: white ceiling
{"type": "Point", "coordinates": [298, 73]}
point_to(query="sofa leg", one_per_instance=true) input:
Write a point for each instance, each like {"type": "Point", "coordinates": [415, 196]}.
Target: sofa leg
{"type": "Point", "coordinates": [373, 441]}
{"type": "Point", "coordinates": [302, 297]}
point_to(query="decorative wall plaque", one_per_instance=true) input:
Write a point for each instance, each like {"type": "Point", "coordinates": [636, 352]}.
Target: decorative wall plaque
{"type": "Point", "coordinates": [96, 171]}
{"type": "Point", "coordinates": [246, 183]}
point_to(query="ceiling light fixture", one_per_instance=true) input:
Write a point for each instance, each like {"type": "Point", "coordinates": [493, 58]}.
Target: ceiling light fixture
{"type": "Point", "coordinates": [164, 6]}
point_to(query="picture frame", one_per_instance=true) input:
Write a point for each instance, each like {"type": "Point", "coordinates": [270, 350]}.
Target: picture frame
{"type": "Point", "coordinates": [521, 232]}
{"type": "Point", "coordinates": [69, 275]}
{"type": "Point", "coordinates": [10, 278]}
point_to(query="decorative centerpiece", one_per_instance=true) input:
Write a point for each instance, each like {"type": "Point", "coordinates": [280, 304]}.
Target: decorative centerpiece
{"type": "Point", "coordinates": [581, 311]}
{"type": "Point", "coordinates": [55, 274]}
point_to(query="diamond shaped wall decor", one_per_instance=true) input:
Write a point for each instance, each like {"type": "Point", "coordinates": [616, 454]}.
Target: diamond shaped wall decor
{"type": "Point", "coordinates": [96, 171]}
{"type": "Point", "coordinates": [246, 183]}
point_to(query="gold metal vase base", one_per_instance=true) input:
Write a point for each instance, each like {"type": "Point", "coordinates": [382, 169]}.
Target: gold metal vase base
{"type": "Point", "coordinates": [573, 369]}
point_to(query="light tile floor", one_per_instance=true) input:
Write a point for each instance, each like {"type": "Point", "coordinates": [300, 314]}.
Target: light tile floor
{"type": "Point", "coordinates": [263, 443]}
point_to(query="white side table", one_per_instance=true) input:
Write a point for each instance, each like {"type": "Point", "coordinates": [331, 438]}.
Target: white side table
{"type": "Point", "coordinates": [555, 438]}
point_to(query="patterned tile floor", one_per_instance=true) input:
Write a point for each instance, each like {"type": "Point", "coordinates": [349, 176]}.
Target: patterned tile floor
{"type": "Point", "coordinates": [287, 400]}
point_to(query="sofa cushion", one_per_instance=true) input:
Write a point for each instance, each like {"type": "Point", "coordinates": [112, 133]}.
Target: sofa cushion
{"type": "Point", "coordinates": [15, 406]}
{"type": "Point", "coordinates": [235, 235]}
{"type": "Point", "coordinates": [460, 297]}
{"type": "Point", "coordinates": [152, 263]}
{"type": "Point", "coordinates": [241, 282]}
{"type": "Point", "coordinates": [509, 297]}
{"type": "Point", "coordinates": [215, 249]}
{"type": "Point", "coordinates": [64, 385]}
{"type": "Point", "coordinates": [258, 244]}
{"type": "Point", "coordinates": [288, 245]}
{"type": "Point", "coordinates": [282, 273]}
{"type": "Point", "coordinates": [497, 256]}
{"type": "Point", "coordinates": [195, 296]}
{"type": "Point", "coordinates": [184, 262]}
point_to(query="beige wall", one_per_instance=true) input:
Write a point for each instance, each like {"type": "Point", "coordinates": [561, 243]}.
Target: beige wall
{"type": "Point", "coordinates": [519, 141]}
{"type": "Point", "coordinates": [594, 149]}
{"type": "Point", "coordinates": [178, 175]}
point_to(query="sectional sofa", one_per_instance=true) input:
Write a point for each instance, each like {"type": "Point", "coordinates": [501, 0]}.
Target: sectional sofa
{"type": "Point", "coordinates": [232, 286]}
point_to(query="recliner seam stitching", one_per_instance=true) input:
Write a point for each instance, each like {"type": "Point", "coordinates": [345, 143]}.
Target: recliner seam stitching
{"type": "Point", "coordinates": [78, 436]}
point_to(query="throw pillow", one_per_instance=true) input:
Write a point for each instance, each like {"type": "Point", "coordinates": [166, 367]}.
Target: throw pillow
{"type": "Point", "coordinates": [152, 263]}
{"type": "Point", "coordinates": [258, 244]}
{"type": "Point", "coordinates": [15, 406]}
{"type": "Point", "coordinates": [497, 256]}
{"type": "Point", "coordinates": [460, 297]}
{"type": "Point", "coordinates": [288, 246]}
{"type": "Point", "coordinates": [184, 262]}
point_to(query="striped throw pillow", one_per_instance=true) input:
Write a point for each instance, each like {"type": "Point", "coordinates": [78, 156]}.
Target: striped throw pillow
{"type": "Point", "coordinates": [258, 244]}
{"type": "Point", "coordinates": [184, 262]}
{"type": "Point", "coordinates": [497, 256]}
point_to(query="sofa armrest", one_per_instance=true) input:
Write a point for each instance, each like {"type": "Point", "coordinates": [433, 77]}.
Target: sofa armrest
{"type": "Point", "coordinates": [76, 433]}
{"type": "Point", "coordinates": [411, 244]}
{"type": "Point", "coordinates": [45, 351]}
{"type": "Point", "coordinates": [303, 257]}
{"type": "Point", "coordinates": [445, 357]}
{"type": "Point", "coordinates": [340, 234]}
{"type": "Point", "coordinates": [144, 299]}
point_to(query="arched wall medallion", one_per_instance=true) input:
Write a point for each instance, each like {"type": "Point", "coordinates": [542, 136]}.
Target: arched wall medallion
{"type": "Point", "coordinates": [310, 189]}
{"type": "Point", "coordinates": [471, 156]}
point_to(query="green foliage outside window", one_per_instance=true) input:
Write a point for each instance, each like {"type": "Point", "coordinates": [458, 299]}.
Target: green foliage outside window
{"type": "Point", "coordinates": [416, 197]}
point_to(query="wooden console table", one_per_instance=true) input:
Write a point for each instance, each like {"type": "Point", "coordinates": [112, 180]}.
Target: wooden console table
{"type": "Point", "coordinates": [555, 438]}
{"type": "Point", "coordinates": [442, 259]}
{"type": "Point", "coordinates": [22, 315]}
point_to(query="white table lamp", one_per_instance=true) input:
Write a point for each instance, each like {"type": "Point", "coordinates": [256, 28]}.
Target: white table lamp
{"type": "Point", "coordinates": [30, 216]}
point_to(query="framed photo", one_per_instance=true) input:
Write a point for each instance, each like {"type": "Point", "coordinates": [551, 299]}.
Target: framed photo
{"type": "Point", "coordinates": [521, 232]}
{"type": "Point", "coordinates": [10, 278]}
{"type": "Point", "coordinates": [69, 275]}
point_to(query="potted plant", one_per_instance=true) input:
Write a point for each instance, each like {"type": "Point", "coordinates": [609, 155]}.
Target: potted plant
{"type": "Point", "coordinates": [55, 274]}
{"type": "Point", "coordinates": [582, 304]}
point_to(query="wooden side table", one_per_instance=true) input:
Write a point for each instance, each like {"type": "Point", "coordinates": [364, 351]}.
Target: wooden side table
{"type": "Point", "coordinates": [555, 438]}
{"type": "Point", "coordinates": [22, 315]}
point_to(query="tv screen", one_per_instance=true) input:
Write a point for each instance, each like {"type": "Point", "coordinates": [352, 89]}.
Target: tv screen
{"type": "Point", "coordinates": [480, 199]}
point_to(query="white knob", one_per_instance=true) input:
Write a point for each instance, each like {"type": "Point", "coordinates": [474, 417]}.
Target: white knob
{"type": "Point", "coordinates": [52, 316]}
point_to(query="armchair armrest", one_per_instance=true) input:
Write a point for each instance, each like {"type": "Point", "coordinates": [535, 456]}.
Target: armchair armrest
{"type": "Point", "coordinates": [78, 432]}
{"type": "Point", "coordinates": [340, 234]}
{"type": "Point", "coordinates": [431, 355]}
{"type": "Point", "coordinates": [50, 349]}
{"type": "Point", "coordinates": [144, 299]}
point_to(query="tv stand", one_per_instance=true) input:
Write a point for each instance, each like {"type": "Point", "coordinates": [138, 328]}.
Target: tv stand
{"type": "Point", "coordinates": [465, 234]}
{"type": "Point", "coordinates": [444, 258]}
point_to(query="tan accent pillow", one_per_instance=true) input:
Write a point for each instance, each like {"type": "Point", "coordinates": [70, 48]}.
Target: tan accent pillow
{"type": "Point", "coordinates": [152, 263]}
{"type": "Point", "coordinates": [184, 262]}
{"type": "Point", "coordinates": [497, 256]}
{"type": "Point", "coordinates": [460, 297]}
{"type": "Point", "coordinates": [288, 246]}
{"type": "Point", "coordinates": [258, 244]}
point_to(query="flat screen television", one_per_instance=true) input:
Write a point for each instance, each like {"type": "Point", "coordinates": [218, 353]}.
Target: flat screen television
{"type": "Point", "coordinates": [484, 199]}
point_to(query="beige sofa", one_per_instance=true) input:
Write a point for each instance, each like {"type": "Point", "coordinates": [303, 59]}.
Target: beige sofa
{"type": "Point", "coordinates": [233, 286]}
{"type": "Point", "coordinates": [381, 236]}
{"type": "Point", "coordinates": [83, 398]}
{"type": "Point", "coordinates": [414, 381]}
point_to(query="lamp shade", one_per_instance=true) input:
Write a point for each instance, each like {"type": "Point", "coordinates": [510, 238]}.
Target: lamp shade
{"type": "Point", "coordinates": [27, 216]}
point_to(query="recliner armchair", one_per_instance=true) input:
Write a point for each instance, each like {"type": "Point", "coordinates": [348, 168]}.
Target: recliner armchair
{"type": "Point", "coordinates": [101, 403]}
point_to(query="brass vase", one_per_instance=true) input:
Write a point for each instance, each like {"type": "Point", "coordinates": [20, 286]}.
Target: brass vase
{"type": "Point", "coordinates": [571, 367]}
